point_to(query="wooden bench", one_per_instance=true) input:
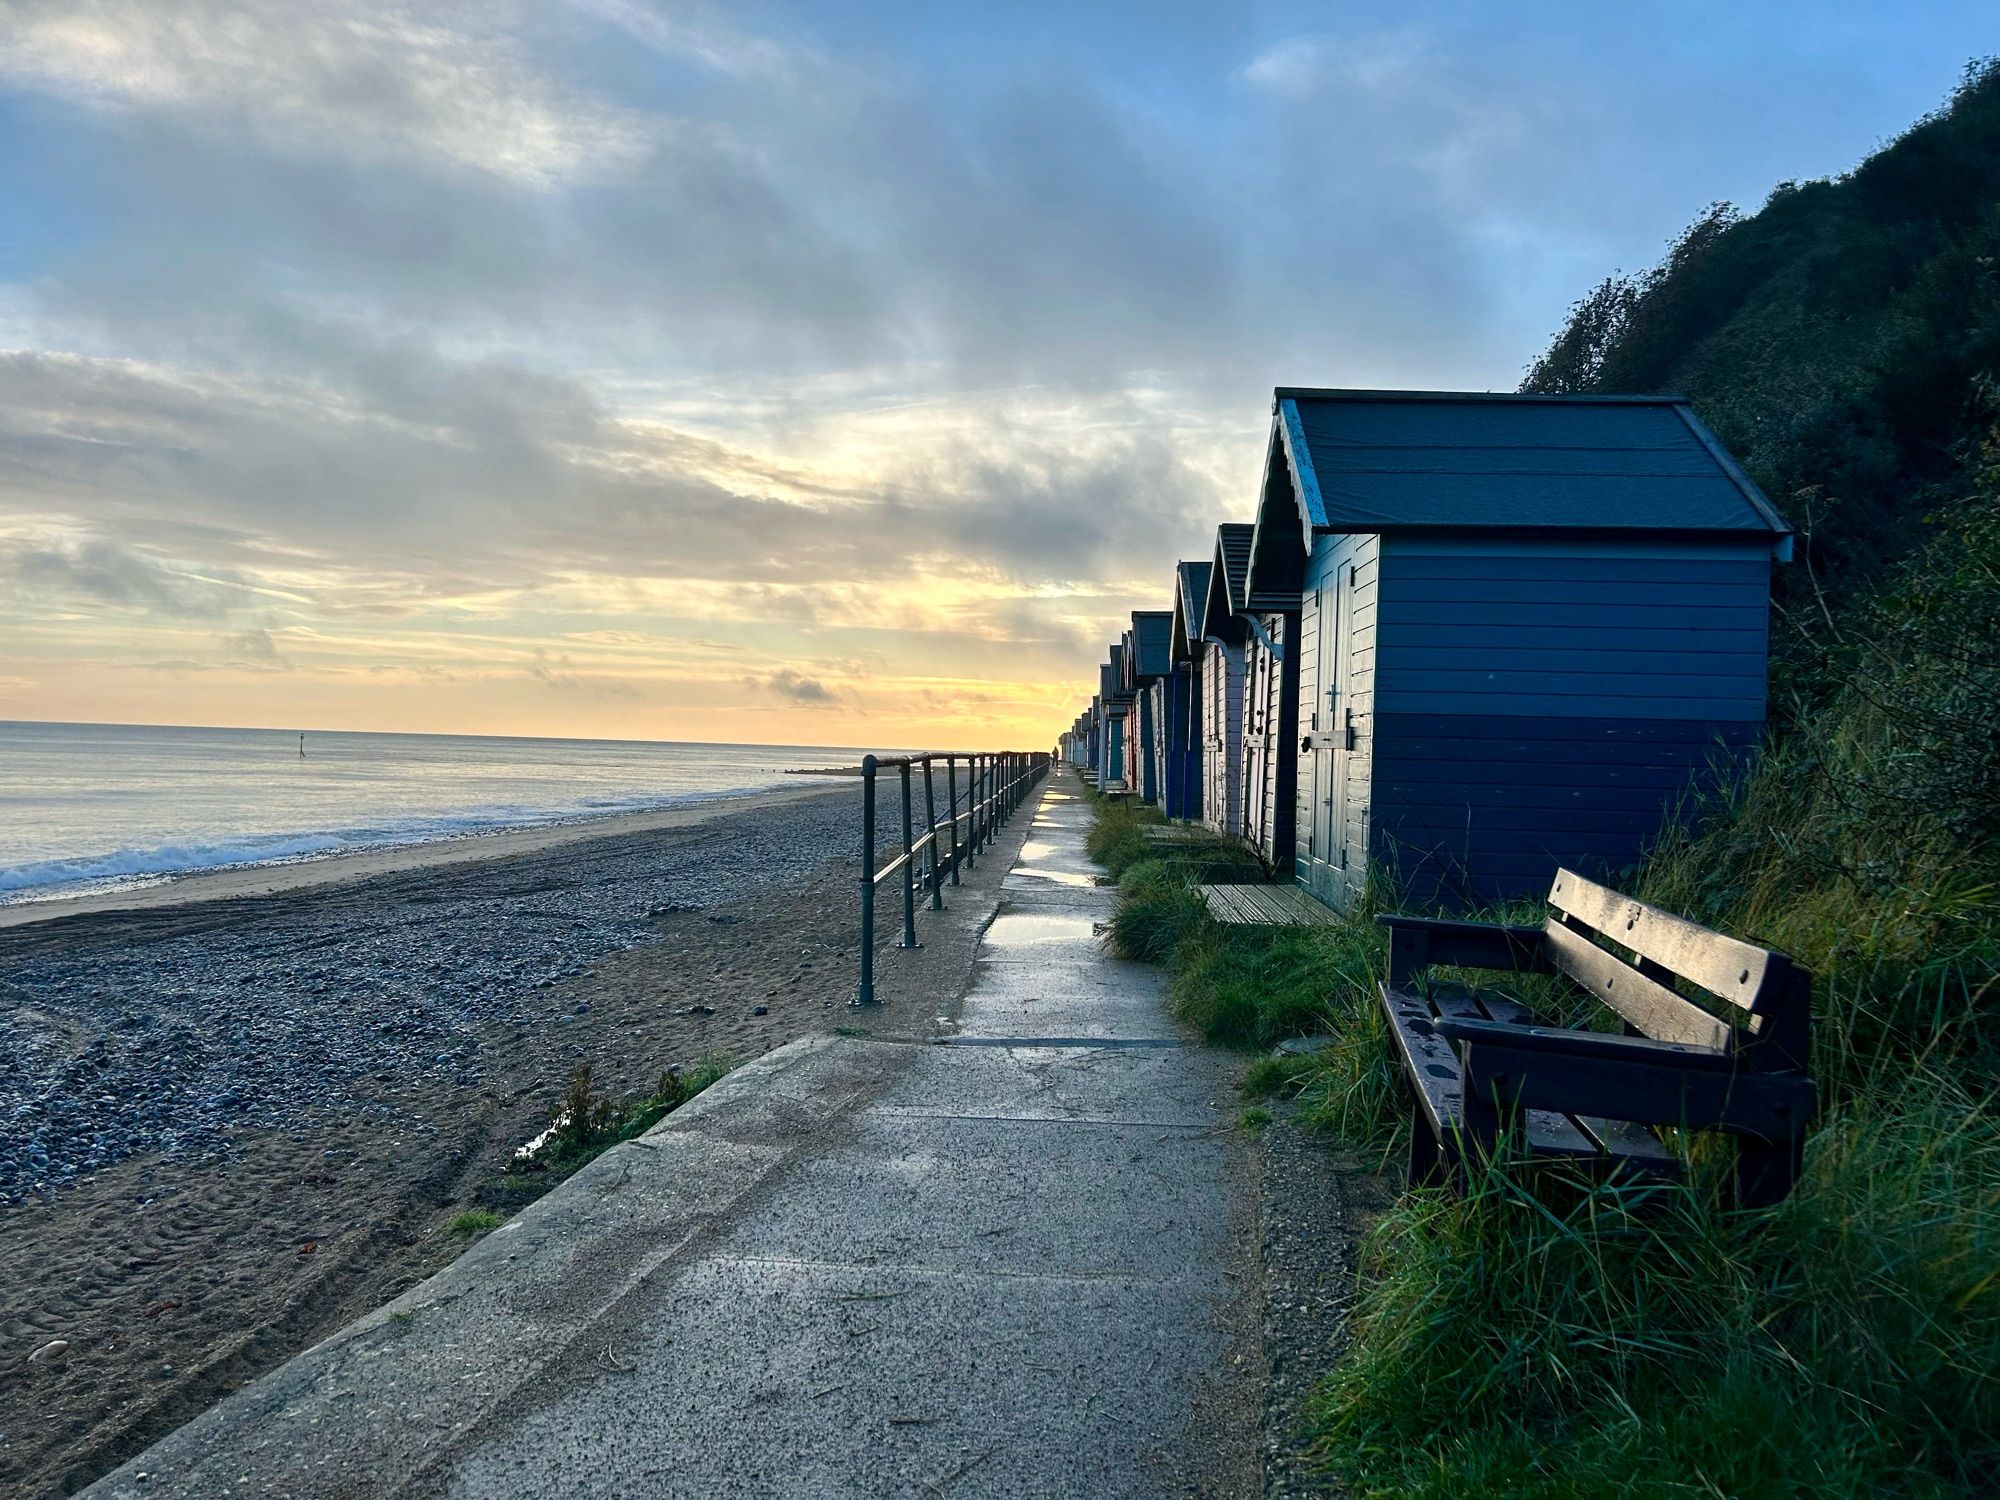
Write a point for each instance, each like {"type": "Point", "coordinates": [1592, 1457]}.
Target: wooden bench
{"type": "Point", "coordinates": [1479, 1061]}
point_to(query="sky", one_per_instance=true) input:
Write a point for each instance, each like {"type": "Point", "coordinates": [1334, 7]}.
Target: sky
{"type": "Point", "coordinates": [823, 374]}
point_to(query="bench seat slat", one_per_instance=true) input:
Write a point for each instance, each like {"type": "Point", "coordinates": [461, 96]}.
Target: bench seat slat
{"type": "Point", "coordinates": [1652, 1007]}
{"type": "Point", "coordinates": [1549, 1133]}
{"type": "Point", "coordinates": [1635, 1143]}
{"type": "Point", "coordinates": [1428, 1061]}
{"type": "Point", "coordinates": [1724, 966]}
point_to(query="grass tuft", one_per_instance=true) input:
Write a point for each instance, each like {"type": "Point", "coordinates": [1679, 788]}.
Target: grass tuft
{"type": "Point", "coordinates": [587, 1124]}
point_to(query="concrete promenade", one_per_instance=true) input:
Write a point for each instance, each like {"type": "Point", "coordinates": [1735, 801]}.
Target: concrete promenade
{"type": "Point", "coordinates": [1009, 1264]}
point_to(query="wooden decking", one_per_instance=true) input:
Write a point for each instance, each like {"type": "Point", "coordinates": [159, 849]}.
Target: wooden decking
{"type": "Point", "coordinates": [1267, 906]}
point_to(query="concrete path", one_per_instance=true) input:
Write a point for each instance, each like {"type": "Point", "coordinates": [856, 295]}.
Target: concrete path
{"type": "Point", "coordinates": [1008, 1265]}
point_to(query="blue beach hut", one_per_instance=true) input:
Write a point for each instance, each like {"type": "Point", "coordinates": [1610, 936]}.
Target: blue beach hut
{"type": "Point", "coordinates": [1527, 629]}
{"type": "Point", "coordinates": [1111, 730]}
{"type": "Point", "coordinates": [1181, 778]}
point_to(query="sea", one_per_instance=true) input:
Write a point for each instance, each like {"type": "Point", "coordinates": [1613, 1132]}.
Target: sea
{"type": "Point", "coordinates": [89, 808]}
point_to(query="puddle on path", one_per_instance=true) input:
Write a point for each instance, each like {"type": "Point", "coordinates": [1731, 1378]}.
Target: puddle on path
{"type": "Point", "coordinates": [1056, 877]}
{"type": "Point", "coordinates": [1021, 930]}
{"type": "Point", "coordinates": [1037, 849]}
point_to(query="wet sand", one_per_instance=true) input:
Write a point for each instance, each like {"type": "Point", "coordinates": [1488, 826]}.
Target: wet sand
{"type": "Point", "coordinates": [235, 1123]}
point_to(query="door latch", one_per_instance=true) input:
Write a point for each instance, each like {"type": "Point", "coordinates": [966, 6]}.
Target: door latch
{"type": "Point", "coordinates": [1349, 731]}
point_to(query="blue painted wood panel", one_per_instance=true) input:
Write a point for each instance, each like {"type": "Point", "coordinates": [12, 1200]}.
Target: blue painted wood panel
{"type": "Point", "coordinates": [1573, 628]}
{"type": "Point", "coordinates": [1471, 810]}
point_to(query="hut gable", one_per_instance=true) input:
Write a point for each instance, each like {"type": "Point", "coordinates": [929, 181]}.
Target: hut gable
{"type": "Point", "coordinates": [1226, 576]}
{"type": "Point", "coordinates": [1190, 601]}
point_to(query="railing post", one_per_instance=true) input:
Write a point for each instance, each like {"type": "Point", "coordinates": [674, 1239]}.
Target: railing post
{"type": "Point", "coordinates": [866, 994]}
{"type": "Point", "coordinates": [909, 871]}
{"type": "Point", "coordinates": [972, 802]}
{"type": "Point", "coordinates": [931, 849]}
{"type": "Point", "coordinates": [951, 802]}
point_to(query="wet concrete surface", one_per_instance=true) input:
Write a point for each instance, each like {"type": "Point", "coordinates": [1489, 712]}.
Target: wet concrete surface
{"type": "Point", "coordinates": [1010, 1265]}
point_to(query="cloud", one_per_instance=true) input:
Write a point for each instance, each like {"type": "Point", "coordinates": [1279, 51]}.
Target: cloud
{"type": "Point", "coordinates": [96, 571]}
{"type": "Point", "coordinates": [256, 648]}
{"type": "Point", "coordinates": [453, 330]}
{"type": "Point", "coordinates": [799, 688]}
{"type": "Point", "coordinates": [368, 77]}
{"type": "Point", "coordinates": [560, 675]}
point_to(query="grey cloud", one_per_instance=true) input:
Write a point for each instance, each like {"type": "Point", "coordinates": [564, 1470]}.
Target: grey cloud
{"type": "Point", "coordinates": [426, 486]}
{"type": "Point", "coordinates": [798, 687]}
{"type": "Point", "coordinates": [367, 77]}
{"type": "Point", "coordinates": [256, 648]}
{"type": "Point", "coordinates": [358, 351]}
{"type": "Point", "coordinates": [102, 572]}
{"type": "Point", "coordinates": [558, 673]}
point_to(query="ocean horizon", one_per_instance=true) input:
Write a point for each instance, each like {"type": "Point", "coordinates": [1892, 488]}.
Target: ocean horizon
{"type": "Point", "coordinates": [90, 808]}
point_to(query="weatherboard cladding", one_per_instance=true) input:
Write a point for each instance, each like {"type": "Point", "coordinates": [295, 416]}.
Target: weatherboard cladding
{"type": "Point", "coordinates": [1472, 809]}
{"type": "Point", "coordinates": [1573, 627]}
{"type": "Point", "coordinates": [1221, 732]}
{"type": "Point", "coordinates": [1270, 730]}
{"type": "Point", "coordinates": [1331, 845]}
{"type": "Point", "coordinates": [1376, 461]}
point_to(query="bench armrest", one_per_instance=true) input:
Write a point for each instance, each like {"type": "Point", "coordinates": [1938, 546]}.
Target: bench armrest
{"type": "Point", "coordinates": [1415, 943]}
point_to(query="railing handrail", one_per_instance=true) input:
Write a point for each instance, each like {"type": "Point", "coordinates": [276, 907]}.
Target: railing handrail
{"type": "Point", "coordinates": [996, 784]}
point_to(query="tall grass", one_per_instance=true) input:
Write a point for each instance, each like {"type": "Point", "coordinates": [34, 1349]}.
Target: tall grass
{"type": "Point", "coordinates": [1542, 1338]}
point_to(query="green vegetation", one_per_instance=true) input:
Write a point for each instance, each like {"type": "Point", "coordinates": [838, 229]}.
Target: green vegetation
{"type": "Point", "coordinates": [1117, 838]}
{"type": "Point", "coordinates": [1835, 340]}
{"type": "Point", "coordinates": [474, 1222]}
{"type": "Point", "coordinates": [1541, 1336]}
{"type": "Point", "coordinates": [587, 1124]}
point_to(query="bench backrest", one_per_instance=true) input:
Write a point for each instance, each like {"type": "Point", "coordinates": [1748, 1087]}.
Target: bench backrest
{"type": "Point", "coordinates": [1771, 996]}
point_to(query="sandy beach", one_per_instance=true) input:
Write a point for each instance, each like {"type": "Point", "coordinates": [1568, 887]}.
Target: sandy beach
{"type": "Point", "coordinates": [241, 1108]}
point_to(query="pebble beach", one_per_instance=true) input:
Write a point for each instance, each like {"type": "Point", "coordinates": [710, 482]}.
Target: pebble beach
{"type": "Point", "coordinates": [235, 1121]}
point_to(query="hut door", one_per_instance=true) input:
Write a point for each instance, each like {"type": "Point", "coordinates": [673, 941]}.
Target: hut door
{"type": "Point", "coordinates": [1327, 737]}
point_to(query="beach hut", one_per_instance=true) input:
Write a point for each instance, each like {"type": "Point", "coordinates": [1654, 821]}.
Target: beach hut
{"type": "Point", "coordinates": [1528, 629]}
{"type": "Point", "coordinates": [1111, 737]}
{"type": "Point", "coordinates": [1222, 634]}
{"type": "Point", "coordinates": [1181, 777]}
{"type": "Point", "coordinates": [1270, 615]}
{"type": "Point", "coordinates": [1148, 659]}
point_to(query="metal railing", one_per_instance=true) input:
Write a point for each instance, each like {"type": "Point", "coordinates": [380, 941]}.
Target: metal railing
{"type": "Point", "coordinates": [995, 785]}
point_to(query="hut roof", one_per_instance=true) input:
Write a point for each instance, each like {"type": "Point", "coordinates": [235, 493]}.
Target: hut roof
{"type": "Point", "coordinates": [1399, 461]}
{"type": "Point", "coordinates": [1227, 576]}
{"type": "Point", "coordinates": [1190, 600]}
{"type": "Point", "coordinates": [1152, 638]}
